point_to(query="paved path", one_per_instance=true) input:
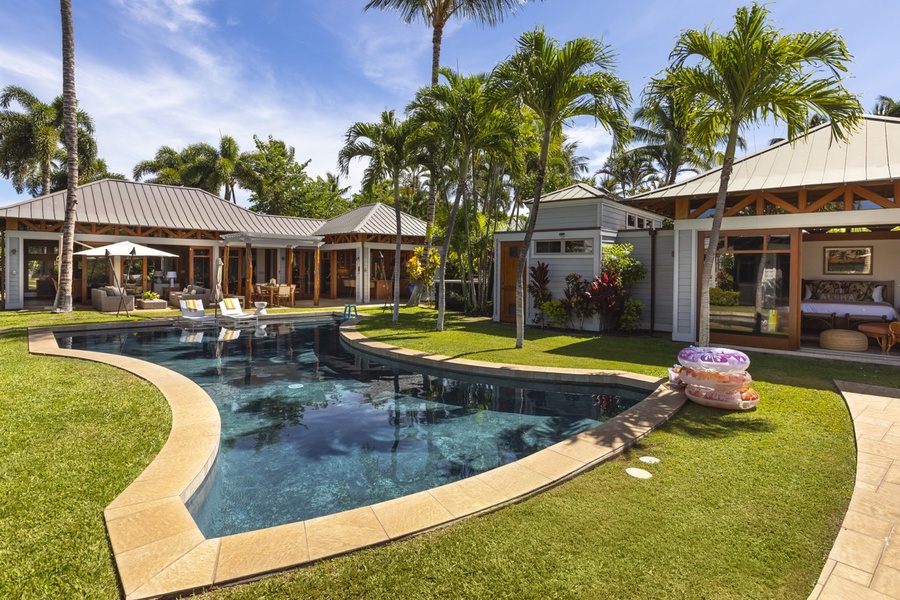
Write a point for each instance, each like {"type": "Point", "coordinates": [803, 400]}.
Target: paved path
{"type": "Point", "coordinates": [865, 560]}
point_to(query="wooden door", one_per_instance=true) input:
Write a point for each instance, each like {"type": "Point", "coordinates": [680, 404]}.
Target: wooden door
{"type": "Point", "coordinates": [509, 262]}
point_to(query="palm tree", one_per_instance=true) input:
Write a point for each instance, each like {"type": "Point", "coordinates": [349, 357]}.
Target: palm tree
{"type": "Point", "coordinates": [660, 126]}
{"type": "Point", "coordinates": [459, 110]}
{"type": "Point", "coordinates": [887, 106]}
{"type": "Point", "coordinates": [63, 302]}
{"type": "Point", "coordinates": [387, 146]}
{"type": "Point", "coordinates": [746, 76]}
{"type": "Point", "coordinates": [558, 83]}
{"type": "Point", "coordinates": [628, 173]}
{"type": "Point", "coordinates": [437, 13]}
{"type": "Point", "coordinates": [30, 140]}
{"type": "Point", "coordinates": [167, 166]}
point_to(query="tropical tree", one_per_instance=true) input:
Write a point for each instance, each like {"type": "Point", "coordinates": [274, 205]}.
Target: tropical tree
{"type": "Point", "coordinates": [887, 106]}
{"type": "Point", "coordinates": [63, 302]}
{"type": "Point", "coordinates": [387, 146]}
{"type": "Point", "coordinates": [30, 140]}
{"type": "Point", "coordinates": [558, 83]}
{"type": "Point", "coordinates": [628, 173]}
{"type": "Point", "coordinates": [96, 170]}
{"type": "Point", "coordinates": [437, 13]}
{"type": "Point", "coordinates": [459, 109]}
{"type": "Point", "coordinates": [748, 75]}
{"type": "Point", "coordinates": [199, 165]}
{"type": "Point", "coordinates": [274, 177]}
{"type": "Point", "coordinates": [165, 167]}
{"type": "Point", "coordinates": [661, 127]}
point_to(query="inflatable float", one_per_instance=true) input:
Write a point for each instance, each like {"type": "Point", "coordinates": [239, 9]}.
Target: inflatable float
{"type": "Point", "coordinates": [716, 377]}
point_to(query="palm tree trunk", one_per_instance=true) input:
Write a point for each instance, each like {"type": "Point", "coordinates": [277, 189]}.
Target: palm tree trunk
{"type": "Point", "coordinates": [460, 187]}
{"type": "Point", "coordinates": [529, 233]}
{"type": "Point", "coordinates": [436, 37]}
{"type": "Point", "coordinates": [63, 301]}
{"type": "Point", "coordinates": [397, 261]}
{"type": "Point", "coordinates": [710, 258]}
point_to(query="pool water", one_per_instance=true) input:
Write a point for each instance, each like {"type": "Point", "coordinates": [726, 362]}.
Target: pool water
{"type": "Point", "coordinates": [310, 428]}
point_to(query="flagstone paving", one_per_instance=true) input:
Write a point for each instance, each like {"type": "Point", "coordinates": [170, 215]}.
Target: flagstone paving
{"type": "Point", "coordinates": [864, 563]}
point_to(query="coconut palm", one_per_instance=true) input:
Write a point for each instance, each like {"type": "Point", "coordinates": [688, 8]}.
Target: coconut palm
{"type": "Point", "coordinates": [387, 146]}
{"type": "Point", "coordinates": [30, 140]}
{"type": "Point", "coordinates": [70, 117]}
{"type": "Point", "coordinates": [558, 83]}
{"type": "Point", "coordinates": [166, 167]}
{"type": "Point", "coordinates": [628, 173]}
{"type": "Point", "coordinates": [660, 127]}
{"type": "Point", "coordinates": [460, 111]}
{"type": "Point", "coordinates": [753, 73]}
{"type": "Point", "coordinates": [887, 106]}
{"type": "Point", "coordinates": [211, 169]}
{"type": "Point", "coordinates": [437, 13]}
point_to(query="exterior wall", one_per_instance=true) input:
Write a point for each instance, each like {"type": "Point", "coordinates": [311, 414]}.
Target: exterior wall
{"type": "Point", "coordinates": [15, 273]}
{"type": "Point", "coordinates": [565, 217]}
{"type": "Point", "coordinates": [664, 274]}
{"type": "Point", "coordinates": [684, 286]}
{"type": "Point", "coordinates": [614, 216]}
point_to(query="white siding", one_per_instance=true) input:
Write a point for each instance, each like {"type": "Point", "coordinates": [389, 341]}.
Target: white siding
{"type": "Point", "coordinates": [664, 273]}
{"type": "Point", "coordinates": [612, 216]}
{"type": "Point", "coordinates": [567, 217]}
{"type": "Point", "coordinates": [15, 276]}
{"type": "Point", "coordinates": [684, 292]}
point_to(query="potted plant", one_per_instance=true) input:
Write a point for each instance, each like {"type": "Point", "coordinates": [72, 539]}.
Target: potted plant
{"type": "Point", "coordinates": [149, 295]}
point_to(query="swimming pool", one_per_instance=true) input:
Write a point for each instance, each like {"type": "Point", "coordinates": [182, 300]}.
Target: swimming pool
{"type": "Point", "coordinates": [310, 428]}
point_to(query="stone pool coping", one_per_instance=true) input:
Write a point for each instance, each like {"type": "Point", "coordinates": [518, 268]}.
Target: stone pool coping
{"type": "Point", "coordinates": [159, 551]}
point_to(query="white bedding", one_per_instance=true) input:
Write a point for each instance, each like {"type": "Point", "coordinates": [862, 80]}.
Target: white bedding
{"type": "Point", "coordinates": [869, 309]}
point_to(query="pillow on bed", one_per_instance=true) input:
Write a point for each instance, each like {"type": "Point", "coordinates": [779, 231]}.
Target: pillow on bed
{"type": "Point", "coordinates": [862, 290]}
{"type": "Point", "coordinates": [878, 293]}
{"type": "Point", "coordinates": [807, 294]}
{"type": "Point", "coordinates": [822, 287]}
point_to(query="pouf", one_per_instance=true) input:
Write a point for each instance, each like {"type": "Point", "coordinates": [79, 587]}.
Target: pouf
{"type": "Point", "coordinates": [848, 340]}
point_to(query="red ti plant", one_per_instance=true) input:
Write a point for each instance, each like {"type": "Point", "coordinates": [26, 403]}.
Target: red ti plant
{"type": "Point", "coordinates": [605, 294]}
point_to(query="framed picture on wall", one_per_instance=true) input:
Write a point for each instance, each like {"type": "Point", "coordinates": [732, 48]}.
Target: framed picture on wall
{"type": "Point", "coordinates": [851, 260]}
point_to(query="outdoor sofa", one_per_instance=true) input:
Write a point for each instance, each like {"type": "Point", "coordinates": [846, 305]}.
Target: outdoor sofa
{"type": "Point", "coordinates": [191, 292]}
{"type": "Point", "coordinates": [108, 299]}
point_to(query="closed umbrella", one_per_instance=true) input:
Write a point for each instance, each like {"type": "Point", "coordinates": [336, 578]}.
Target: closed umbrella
{"type": "Point", "coordinates": [217, 290]}
{"type": "Point", "coordinates": [128, 249]}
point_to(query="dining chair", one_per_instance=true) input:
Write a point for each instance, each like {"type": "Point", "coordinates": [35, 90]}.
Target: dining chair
{"type": "Point", "coordinates": [284, 295]}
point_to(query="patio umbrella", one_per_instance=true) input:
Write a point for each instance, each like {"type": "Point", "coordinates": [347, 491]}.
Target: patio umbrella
{"type": "Point", "coordinates": [217, 289]}
{"type": "Point", "coordinates": [128, 249]}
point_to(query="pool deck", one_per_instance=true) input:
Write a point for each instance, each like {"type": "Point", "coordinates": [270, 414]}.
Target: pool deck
{"type": "Point", "coordinates": [864, 563]}
{"type": "Point", "coordinates": [159, 551]}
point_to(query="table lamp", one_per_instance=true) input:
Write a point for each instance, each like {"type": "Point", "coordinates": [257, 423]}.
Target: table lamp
{"type": "Point", "coordinates": [171, 275]}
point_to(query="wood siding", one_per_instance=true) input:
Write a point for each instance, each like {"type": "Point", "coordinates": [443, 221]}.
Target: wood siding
{"type": "Point", "coordinates": [567, 217]}
{"type": "Point", "coordinates": [665, 275]}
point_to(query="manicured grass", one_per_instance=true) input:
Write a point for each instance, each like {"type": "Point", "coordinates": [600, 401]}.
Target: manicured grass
{"type": "Point", "coordinates": [743, 505]}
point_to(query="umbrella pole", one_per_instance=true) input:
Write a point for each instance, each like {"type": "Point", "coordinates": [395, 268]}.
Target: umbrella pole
{"type": "Point", "coordinates": [116, 281]}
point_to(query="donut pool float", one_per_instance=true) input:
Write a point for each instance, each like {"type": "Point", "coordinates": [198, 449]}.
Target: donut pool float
{"type": "Point", "coordinates": [745, 399]}
{"type": "Point", "coordinates": [715, 380]}
{"type": "Point", "coordinates": [720, 360]}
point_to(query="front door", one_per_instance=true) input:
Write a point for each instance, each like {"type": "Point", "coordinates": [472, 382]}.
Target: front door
{"type": "Point", "coordinates": [509, 262]}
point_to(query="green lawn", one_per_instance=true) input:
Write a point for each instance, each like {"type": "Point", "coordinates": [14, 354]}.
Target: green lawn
{"type": "Point", "coordinates": [743, 505]}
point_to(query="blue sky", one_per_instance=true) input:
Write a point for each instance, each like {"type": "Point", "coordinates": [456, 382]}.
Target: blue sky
{"type": "Point", "coordinates": [174, 72]}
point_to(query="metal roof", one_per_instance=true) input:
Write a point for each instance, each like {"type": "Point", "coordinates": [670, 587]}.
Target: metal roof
{"type": "Point", "coordinates": [577, 191]}
{"type": "Point", "coordinates": [375, 218]}
{"type": "Point", "coordinates": [116, 202]}
{"type": "Point", "coordinates": [870, 154]}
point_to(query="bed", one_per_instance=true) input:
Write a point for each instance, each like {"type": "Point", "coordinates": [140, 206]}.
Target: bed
{"type": "Point", "coordinates": [825, 301]}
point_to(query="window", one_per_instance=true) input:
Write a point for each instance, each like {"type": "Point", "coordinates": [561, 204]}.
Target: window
{"type": "Point", "coordinates": [547, 247]}
{"type": "Point", "coordinates": [632, 222]}
{"type": "Point", "coordinates": [579, 246]}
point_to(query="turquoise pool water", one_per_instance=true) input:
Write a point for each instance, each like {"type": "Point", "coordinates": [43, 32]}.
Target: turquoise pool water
{"type": "Point", "coordinates": [310, 428]}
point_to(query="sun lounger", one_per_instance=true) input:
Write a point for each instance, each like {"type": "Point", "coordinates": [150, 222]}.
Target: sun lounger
{"type": "Point", "coordinates": [192, 311]}
{"type": "Point", "coordinates": [229, 335]}
{"type": "Point", "coordinates": [190, 337]}
{"type": "Point", "coordinates": [231, 309]}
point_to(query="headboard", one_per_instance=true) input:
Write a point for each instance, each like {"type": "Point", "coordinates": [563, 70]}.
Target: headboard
{"type": "Point", "coordinates": [887, 294]}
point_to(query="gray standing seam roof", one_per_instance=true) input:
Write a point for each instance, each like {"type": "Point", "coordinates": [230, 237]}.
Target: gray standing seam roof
{"type": "Point", "coordinates": [115, 202]}
{"type": "Point", "coordinates": [376, 219]}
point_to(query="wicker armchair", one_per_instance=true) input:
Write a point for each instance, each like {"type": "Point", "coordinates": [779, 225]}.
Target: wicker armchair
{"type": "Point", "coordinates": [103, 302]}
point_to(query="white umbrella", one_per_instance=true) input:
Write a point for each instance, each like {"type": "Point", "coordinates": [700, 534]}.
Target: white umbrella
{"type": "Point", "coordinates": [123, 249]}
{"type": "Point", "coordinates": [217, 289]}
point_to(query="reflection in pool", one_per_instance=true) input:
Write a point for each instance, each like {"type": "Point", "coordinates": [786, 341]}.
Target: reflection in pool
{"type": "Point", "coordinates": [310, 428]}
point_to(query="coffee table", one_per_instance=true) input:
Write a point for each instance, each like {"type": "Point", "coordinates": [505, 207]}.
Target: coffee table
{"type": "Point", "coordinates": [158, 304]}
{"type": "Point", "coordinates": [881, 332]}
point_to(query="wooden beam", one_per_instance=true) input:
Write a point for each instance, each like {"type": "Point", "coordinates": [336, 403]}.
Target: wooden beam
{"type": "Point", "coordinates": [740, 206]}
{"type": "Point", "coordinates": [682, 208]}
{"type": "Point", "coordinates": [290, 267]}
{"type": "Point", "coordinates": [848, 198]}
{"type": "Point", "coordinates": [760, 204]}
{"type": "Point", "coordinates": [872, 197]}
{"type": "Point", "coordinates": [832, 195]}
{"type": "Point", "coordinates": [248, 286]}
{"type": "Point", "coordinates": [801, 200]}
{"type": "Point", "coordinates": [702, 208]}
{"type": "Point", "coordinates": [317, 281]}
{"type": "Point", "coordinates": [773, 199]}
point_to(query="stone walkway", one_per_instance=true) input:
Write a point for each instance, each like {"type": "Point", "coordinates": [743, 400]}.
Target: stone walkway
{"type": "Point", "coordinates": [865, 560]}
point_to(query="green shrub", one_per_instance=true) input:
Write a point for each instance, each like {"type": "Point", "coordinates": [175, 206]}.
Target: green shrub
{"type": "Point", "coordinates": [630, 319]}
{"type": "Point", "coordinates": [719, 297]}
{"type": "Point", "coordinates": [555, 312]}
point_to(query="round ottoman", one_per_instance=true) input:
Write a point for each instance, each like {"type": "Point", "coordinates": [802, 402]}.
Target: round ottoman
{"type": "Point", "coordinates": [847, 340]}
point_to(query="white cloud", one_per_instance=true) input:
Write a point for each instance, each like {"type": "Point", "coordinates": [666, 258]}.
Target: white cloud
{"type": "Point", "coordinates": [173, 15]}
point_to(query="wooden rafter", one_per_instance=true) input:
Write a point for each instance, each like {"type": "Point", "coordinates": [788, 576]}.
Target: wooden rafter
{"type": "Point", "coordinates": [773, 199]}
{"type": "Point", "coordinates": [702, 208]}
